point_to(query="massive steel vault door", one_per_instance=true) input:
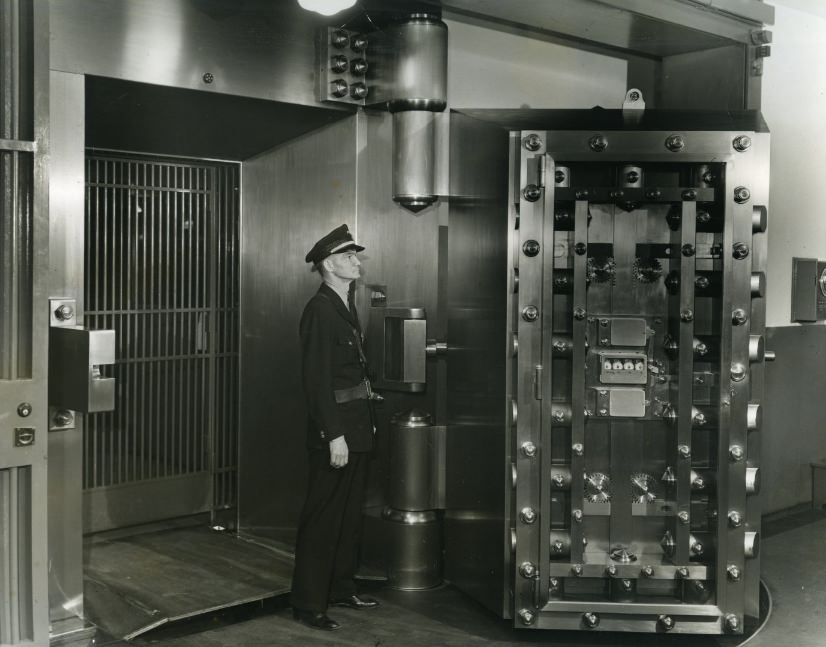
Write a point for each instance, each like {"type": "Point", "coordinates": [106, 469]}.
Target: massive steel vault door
{"type": "Point", "coordinates": [637, 381]}
{"type": "Point", "coordinates": [162, 271]}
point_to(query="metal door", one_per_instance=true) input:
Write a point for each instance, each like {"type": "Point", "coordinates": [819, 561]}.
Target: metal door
{"type": "Point", "coordinates": [161, 269]}
{"type": "Point", "coordinates": [23, 314]}
{"type": "Point", "coordinates": [639, 378]}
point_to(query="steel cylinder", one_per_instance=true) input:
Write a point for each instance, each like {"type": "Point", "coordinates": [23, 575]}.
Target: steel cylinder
{"type": "Point", "coordinates": [414, 159]}
{"type": "Point", "coordinates": [413, 462]}
{"type": "Point", "coordinates": [413, 548]}
{"type": "Point", "coordinates": [420, 64]}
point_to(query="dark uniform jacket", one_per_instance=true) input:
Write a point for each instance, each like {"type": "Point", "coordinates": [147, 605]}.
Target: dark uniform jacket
{"type": "Point", "coordinates": [330, 334]}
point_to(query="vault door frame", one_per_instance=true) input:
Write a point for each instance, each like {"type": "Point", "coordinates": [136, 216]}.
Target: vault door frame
{"type": "Point", "coordinates": [24, 150]}
{"type": "Point", "coordinates": [152, 273]}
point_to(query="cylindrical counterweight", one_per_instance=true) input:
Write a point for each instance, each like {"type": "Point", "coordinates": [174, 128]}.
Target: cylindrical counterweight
{"type": "Point", "coordinates": [414, 158]}
{"type": "Point", "coordinates": [420, 80]}
{"type": "Point", "coordinates": [420, 65]}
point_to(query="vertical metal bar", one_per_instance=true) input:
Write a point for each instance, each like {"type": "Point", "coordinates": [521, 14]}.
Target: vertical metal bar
{"type": "Point", "coordinates": [215, 260]}
{"type": "Point", "coordinates": [146, 447]}
{"type": "Point", "coordinates": [14, 553]}
{"type": "Point", "coordinates": [14, 268]}
{"type": "Point", "coordinates": [168, 287]}
{"type": "Point", "coordinates": [6, 503]}
{"type": "Point", "coordinates": [578, 421]}
{"type": "Point", "coordinates": [685, 379]}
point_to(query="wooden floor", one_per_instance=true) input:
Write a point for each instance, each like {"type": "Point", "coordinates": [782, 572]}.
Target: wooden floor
{"type": "Point", "coordinates": [136, 583]}
{"type": "Point", "coordinates": [794, 567]}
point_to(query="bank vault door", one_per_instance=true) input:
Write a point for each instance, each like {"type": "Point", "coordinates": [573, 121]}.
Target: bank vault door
{"type": "Point", "coordinates": [161, 269]}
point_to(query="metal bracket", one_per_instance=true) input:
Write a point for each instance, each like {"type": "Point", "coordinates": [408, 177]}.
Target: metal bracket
{"type": "Point", "coordinates": [633, 106]}
{"type": "Point", "coordinates": [24, 436]}
{"type": "Point", "coordinates": [61, 419]}
{"type": "Point", "coordinates": [62, 312]}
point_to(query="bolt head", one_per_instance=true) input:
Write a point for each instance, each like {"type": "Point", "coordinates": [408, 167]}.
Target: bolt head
{"type": "Point", "coordinates": [732, 622]}
{"type": "Point", "coordinates": [736, 453]}
{"type": "Point", "coordinates": [528, 449]}
{"type": "Point", "coordinates": [634, 96]}
{"type": "Point", "coordinates": [733, 572]}
{"type": "Point", "coordinates": [339, 38]}
{"type": "Point", "coordinates": [528, 515]}
{"type": "Point", "coordinates": [576, 569]}
{"type": "Point", "coordinates": [683, 517]}
{"type": "Point", "coordinates": [532, 142]}
{"type": "Point", "coordinates": [647, 571]}
{"type": "Point", "coordinates": [739, 317]}
{"type": "Point", "coordinates": [578, 449]}
{"type": "Point", "coordinates": [532, 193]}
{"type": "Point", "coordinates": [598, 143]}
{"type": "Point", "coordinates": [339, 88]}
{"type": "Point", "coordinates": [735, 519]}
{"type": "Point", "coordinates": [559, 177]}
{"type": "Point", "coordinates": [611, 570]}
{"type": "Point", "coordinates": [653, 194]}
{"type": "Point", "coordinates": [558, 546]}
{"type": "Point", "coordinates": [687, 314]}
{"type": "Point", "coordinates": [687, 250]}
{"type": "Point", "coordinates": [590, 620]}
{"type": "Point", "coordinates": [554, 583]}
{"type": "Point", "coordinates": [64, 312]}
{"type": "Point", "coordinates": [684, 451]}
{"type": "Point", "coordinates": [24, 410]}
{"type": "Point", "coordinates": [531, 248]}
{"type": "Point", "coordinates": [741, 143]}
{"type": "Point", "coordinates": [579, 313]}
{"type": "Point", "coordinates": [683, 572]}
{"type": "Point", "coordinates": [666, 622]}
{"type": "Point", "coordinates": [740, 251]}
{"type": "Point", "coordinates": [526, 616]}
{"type": "Point", "coordinates": [741, 195]}
{"type": "Point", "coordinates": [689, 195]}
{"type": "Point", "coordinates": [577, 514]}
{"type": "Point", "coordinates": [738, 372]}
{"type": "Point", "coordinates": [527, 570]}
{"type": "Point", "coordinates": [208, 77]}
{"type": "Point", "coordinates": [675, 143]}
{"type": "Point", "coordinates": [530, 313]}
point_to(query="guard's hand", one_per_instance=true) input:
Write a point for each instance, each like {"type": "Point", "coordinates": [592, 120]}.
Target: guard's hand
{"type": "Point", "coordinates": [338, 452]}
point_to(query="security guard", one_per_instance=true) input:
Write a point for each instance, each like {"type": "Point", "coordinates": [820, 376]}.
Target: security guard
{"type": "Point", "coordinates": [339, 437]}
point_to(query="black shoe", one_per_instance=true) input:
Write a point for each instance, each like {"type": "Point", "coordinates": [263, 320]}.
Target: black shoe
{"type": "Point", "coordinates": [355, 602]}
{"type": "Point", "coordinates": [315, 620]}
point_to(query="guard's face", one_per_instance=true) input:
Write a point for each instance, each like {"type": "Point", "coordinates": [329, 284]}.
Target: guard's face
{"type": "Point", "coordinates": [345, 265]}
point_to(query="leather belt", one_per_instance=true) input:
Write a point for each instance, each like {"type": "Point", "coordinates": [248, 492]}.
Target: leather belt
{"type": "Point", "coordinates": [359, 392]}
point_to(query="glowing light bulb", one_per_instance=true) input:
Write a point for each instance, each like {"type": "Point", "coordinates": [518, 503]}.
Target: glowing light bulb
{"type": "Point", "coordinates": [326, 7]}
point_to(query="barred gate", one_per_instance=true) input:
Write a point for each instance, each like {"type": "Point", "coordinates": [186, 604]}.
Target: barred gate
{"type": "Point", "coordinates": [162, 270]}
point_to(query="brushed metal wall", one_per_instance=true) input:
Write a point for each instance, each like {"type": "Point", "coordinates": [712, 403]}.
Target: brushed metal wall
{"type": "Point", "coordinates": [255, 48]}
{"type": "Point", "coordinates": [292, 196]}
{"type": "Point", "coordinates": [793, 430]}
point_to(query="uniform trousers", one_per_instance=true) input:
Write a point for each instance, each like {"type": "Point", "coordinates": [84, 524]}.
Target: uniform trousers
{"type": "Point", "coordinates": [329, 531]}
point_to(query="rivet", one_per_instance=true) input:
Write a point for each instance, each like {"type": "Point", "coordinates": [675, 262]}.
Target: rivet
{"type": "Point", "coordinates": [736, 453]}
{"type": "Point", "coordinates": [732, 622]}
{"type": "Point", "coordinates": [208, 77]}
{"type": "Point", "coordinates": [579, 313]}
{"type": "Point", "coordinates": [339, 63]}
{"type": "Point", "coordinates": [339, 38]}
{"type": "Point", "coordinates": [580, 248]}
{"type": "Point", "coordinates": [530, 313]}
{"type": "Point", "coordinates": [683, 517]}
{"type": "Point", "coordinates": [686, 314]}
{"type": "Point", "coordinates": [526, 616]}
{"type": "Point", "coordinates": [577, 514]}
{"type": "Point", "coordinates": [358, 91]}
{"type": "Point", "coordinates": [578, 449]}
{"type": "Point", "coordinates": [666, 623]}
{"type": "Point", "coordinates": [733, 572]}
{"type": "Point", "coordinates": [687, 250]}
{"type": "Point", "coordinates": [576, 569]}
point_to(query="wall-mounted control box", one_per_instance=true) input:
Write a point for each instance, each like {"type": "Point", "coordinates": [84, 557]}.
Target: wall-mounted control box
{"type": "Point", "coordinates": [808, 289]}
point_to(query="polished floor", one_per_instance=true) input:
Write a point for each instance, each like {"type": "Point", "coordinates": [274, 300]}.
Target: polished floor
{"type": "Point", "coordinates": [794, 568]}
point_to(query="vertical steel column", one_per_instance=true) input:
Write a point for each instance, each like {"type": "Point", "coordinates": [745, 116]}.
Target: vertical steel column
{"type": "Point", "coordinates": [579, 306]}
{"type": "Point", "coordinates": [532, 536]}
{"type": "Point", "coordinates": [685, 381]}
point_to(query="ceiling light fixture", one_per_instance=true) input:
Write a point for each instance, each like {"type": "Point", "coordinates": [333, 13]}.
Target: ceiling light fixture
{"type": "Point", "coordinates": [326, 7]}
